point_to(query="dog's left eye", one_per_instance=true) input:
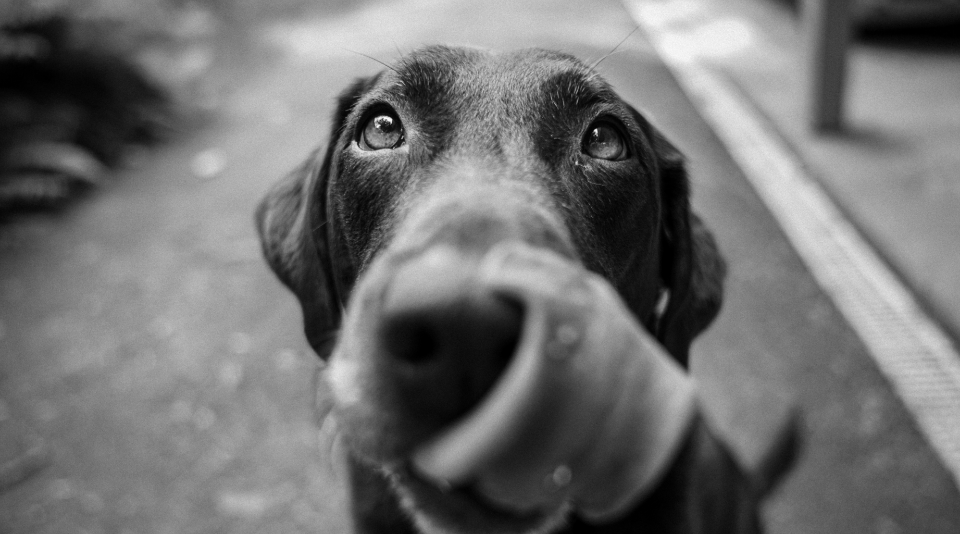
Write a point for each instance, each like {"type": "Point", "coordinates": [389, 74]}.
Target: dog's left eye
{"type": "Point", "coordinates": [381, 131]}
{"type": "Point", "coordinates": [604, 141]}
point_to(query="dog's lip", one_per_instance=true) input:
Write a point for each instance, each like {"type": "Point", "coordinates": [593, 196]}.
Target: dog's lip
{"type": "Point", "coordinates": [466, 499]}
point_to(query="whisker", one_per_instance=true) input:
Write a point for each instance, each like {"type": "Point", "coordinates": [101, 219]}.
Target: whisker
{"type": "Point", "coordinates": [610, 53]}
{"type": "Point", "coordinates": [373, 58]}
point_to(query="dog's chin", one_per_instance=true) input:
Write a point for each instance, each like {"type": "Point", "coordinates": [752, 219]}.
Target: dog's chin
{"type": "Point", "coordinates": [438, 510]}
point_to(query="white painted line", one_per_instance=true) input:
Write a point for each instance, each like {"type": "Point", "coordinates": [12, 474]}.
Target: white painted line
{"type": "Point", "coordinates": [917, 357]}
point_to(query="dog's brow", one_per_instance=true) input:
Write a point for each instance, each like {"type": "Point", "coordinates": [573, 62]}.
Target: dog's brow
{"type": "Point", "coordinates": [425, 78]}
{"type": "Point", "coordinates": [574, 89]}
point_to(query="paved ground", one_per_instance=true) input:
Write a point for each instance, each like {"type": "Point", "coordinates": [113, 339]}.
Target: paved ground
{"type": "Point", "coordinates": [894, 167]}
{"type": "Point", "coordinates": [148, 345]}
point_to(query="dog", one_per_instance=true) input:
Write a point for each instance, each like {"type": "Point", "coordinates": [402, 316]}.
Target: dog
{"type": "Point", "coordinates": [459, 150]}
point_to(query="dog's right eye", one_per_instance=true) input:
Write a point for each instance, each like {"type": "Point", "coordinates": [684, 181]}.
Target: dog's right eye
{"type": "Point", "coordinates": [382, 131]}
{"type": "Point", "coordinates": [604, 141]}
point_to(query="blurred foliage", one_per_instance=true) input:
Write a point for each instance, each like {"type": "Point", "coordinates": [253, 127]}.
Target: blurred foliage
{"type": "Point", "coordinates": [83, 82]}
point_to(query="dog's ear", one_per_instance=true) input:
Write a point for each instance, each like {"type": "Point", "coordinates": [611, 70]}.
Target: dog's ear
{"type": "Point", "coordinates": [293, 224]}
{"type": "Point", "coordinates": [691, 266]}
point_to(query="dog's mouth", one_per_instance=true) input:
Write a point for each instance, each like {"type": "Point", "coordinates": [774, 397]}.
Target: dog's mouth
{"type": "Point", "coordinates": [463, 508]}
{"type": "Point", "coordinates": [443, 410]}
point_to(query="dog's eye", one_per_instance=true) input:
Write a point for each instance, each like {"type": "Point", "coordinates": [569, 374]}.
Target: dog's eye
{"type": "Point", "coordinates": [381, 131]}
{"type": "Point", "coordinates": [604, 141]}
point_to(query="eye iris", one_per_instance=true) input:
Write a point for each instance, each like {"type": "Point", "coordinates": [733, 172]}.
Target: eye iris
{"type": "Point", "coordinates": [383, 131]}
{"type": "Point", "coordinates": [603, 142]}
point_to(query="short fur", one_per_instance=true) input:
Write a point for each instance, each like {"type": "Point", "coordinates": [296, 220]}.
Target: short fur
{"type": "Point", "coordinates": [479, 124]}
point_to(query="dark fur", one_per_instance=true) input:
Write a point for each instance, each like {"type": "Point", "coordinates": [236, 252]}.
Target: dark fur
{"type": "Point", "coordinates": [301, 238]}
{"type": "Point", "coordinates": [515, 121]}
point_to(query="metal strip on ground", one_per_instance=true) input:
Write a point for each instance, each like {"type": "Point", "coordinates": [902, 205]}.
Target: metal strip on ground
{"type": "Point", "coordinates": [911, 350]}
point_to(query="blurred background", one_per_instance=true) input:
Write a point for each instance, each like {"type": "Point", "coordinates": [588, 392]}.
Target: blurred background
{"type": "Point", "coordinates": [153, 373]}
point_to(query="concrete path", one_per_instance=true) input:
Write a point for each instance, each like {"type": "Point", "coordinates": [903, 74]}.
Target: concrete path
{"type": "Point", "coordinates": [146, 343]}
{"type": "Point", "coordinates": [894, 166]}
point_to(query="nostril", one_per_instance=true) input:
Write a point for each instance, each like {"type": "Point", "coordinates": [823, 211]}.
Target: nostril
{"type": "Point", "coordinates": [466, 325]}
{"type": "Point", "coordinates": [442, 337]}
{"type": "Point", "coordinates": [410, 337]}
{"type": "Point", "coordinates": [497, 343]}
{"type": "Point", "coordinates": [445, 353]}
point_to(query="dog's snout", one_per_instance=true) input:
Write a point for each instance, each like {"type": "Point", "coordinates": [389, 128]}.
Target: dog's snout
{"type": "Point", "coordinates": [448, 337]}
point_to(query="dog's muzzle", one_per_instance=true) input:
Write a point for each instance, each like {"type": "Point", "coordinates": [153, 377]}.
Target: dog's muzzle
{"type": "Point", "coordinates": [423, 339]}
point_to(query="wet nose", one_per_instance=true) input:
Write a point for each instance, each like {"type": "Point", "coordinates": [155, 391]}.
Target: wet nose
{"type": "Point", "coordinates": [448, 337]}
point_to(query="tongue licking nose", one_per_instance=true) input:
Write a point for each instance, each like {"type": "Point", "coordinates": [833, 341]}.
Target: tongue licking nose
{"type": "Point", "coordinates": [589, 410]}
{"type": "Point", "coordinates": [451, 337]}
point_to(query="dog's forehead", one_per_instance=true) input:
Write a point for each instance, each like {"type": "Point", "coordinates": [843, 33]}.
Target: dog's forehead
{"type": "Point", "coordinates": [440, 75]}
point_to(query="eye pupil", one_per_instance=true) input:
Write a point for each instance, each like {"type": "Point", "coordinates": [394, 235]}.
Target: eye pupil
{"type": "Point", "coordinates": [604, 142]}
{"type": "Point", "coordinates": [381, 132]}
{"type": "Point", "coordinates": [384, 123]}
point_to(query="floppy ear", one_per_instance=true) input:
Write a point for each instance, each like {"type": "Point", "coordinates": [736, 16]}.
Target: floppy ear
{"type": "Point", "coordinates": [691, 266]}
{"type": "Point", "coordinates": [292, 220]}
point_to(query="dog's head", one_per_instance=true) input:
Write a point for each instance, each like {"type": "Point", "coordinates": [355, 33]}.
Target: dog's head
{"type": "Point", "coordinates": [429, 165]}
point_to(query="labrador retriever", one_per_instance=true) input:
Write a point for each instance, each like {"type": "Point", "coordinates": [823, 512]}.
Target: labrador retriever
{"type": "Point", "coordinates": [432, 164]}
